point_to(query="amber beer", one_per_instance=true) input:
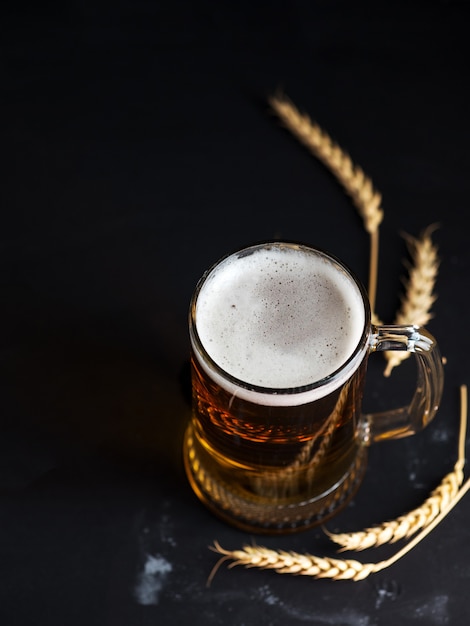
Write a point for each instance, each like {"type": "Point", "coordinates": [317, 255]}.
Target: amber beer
{"type": "Point", "coordinates": [279, 352]}
{"type": "Point", "coordinates": [280, 337]}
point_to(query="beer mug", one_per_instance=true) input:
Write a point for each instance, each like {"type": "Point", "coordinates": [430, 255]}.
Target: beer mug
{"type": "Point", "coordinates": [280, 338]}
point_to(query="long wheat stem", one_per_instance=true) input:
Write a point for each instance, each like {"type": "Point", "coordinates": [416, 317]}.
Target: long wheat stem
{"type": "Point", "coordinates": [373, 273]}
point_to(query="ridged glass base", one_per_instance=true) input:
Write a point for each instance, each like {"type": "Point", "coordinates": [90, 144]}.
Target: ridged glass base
{"type": "Point", "coordinates": [260, 515]}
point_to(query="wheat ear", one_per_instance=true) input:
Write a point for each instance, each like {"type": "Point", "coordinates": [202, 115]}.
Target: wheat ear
{"type": "Point", "coordinates": [419, 295]}
{"type": "Point", "coordinates": [366, 199]}
{"type": "Point", "coordinates": [408, 524]}
{"type": "Point", "coordinates": [321, 567]}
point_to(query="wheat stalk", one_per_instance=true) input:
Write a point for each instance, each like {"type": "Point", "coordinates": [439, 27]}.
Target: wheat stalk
{"type": "Point", "coordinates": [291, 563]}
{"type": "Point", "coordinates": [333, 568]}
{"type": "Point", "coordinates": [280, 483]}
{"type": "Point", "coordinates": [419, 295]}
{"type": "Point", "coordinates": [321, 567]}
{"type": "Point", "coordinates": [408, 524]}
{"type": "Point", "coordinates": [366, 199]}
{"type": "Point", "coordinates": [405, 525]}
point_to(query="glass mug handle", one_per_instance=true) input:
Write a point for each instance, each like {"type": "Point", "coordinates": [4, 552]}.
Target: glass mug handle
{"type": "Point", "coordinates": [410, 419]}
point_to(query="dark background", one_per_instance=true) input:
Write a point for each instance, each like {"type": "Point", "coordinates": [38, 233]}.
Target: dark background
{"type": "Point", "coordinates": [138, 147]}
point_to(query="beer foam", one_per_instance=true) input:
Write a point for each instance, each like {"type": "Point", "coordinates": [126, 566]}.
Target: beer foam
{"type": "Point", "coordinates": [280, 316]}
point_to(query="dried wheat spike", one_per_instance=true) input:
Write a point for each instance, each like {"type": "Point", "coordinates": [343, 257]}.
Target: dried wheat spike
{"type": "Point", "coordinates": [365, 197]}
{"type": "Point", "coordinates": [419, 296]}
{"type": "Point", "coordinates": [293, 563]}
{"type": "Point", "coordinates": [405, 525]}
{"type": "Point", "coordinates": [356, 183]}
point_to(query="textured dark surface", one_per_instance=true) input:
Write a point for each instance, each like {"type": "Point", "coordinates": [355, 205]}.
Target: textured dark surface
{"type": "Point", "coordinates": [137, 149]}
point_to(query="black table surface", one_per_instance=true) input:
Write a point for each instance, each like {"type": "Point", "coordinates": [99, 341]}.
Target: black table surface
{"type": "Point", "coordinates": [139, 147]}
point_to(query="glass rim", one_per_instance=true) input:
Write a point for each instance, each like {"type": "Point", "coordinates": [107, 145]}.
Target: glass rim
{"type": "Point", "coordinates": [205, 359]}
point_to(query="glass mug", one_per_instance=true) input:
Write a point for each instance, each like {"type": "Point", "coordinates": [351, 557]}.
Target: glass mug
{"type": "Point", "coordinates": [280, 337]}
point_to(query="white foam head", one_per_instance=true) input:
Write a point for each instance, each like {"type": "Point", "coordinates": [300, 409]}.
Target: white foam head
{"type": "Point", "coordinates": [280, 316]}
